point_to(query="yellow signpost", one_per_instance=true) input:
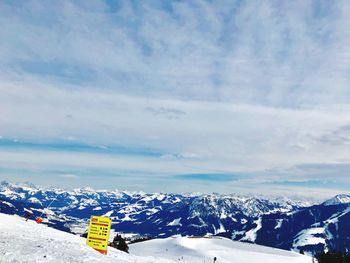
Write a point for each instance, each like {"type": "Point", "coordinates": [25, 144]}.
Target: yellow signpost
{"type": "Point", "coordinates": [98, 233]}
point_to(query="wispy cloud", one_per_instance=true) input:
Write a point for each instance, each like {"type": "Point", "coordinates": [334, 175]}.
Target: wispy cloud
{"type": "Point", "coordinates": [166, 88]}
{"type": "Point", "coordinates": [69, 146]}
{"type": "Point", "coordinates": [325, 184]}
{"type": "Point", "coordinates": [69, 176]}
{"type": "Point", "coordinates": [211, 177]}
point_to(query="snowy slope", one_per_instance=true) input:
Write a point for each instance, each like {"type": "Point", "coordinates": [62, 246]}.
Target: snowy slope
{"type": "Point", "coordinates": [203, 250]}
{"type": "Point", "coordinates": [22, 241]}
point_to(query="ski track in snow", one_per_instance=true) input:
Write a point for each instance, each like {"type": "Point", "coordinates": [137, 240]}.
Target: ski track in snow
{"type": "Point", "coordinates": [22, 241]}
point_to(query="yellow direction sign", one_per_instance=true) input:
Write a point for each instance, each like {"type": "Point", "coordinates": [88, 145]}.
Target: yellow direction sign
{"type": "Point", "coordinates": [98, 233]}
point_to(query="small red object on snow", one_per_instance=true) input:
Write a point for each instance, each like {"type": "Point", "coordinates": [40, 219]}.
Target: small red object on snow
{"type": "Point", "coordinates": [39, 220]}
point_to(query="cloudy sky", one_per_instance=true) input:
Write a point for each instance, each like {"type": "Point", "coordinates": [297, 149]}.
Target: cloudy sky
{"type": "Point", "coordinates": [177, 96]}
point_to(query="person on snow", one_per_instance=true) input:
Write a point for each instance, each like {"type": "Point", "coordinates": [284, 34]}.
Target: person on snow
{"type": "Point", "coordinates": [28, 215]}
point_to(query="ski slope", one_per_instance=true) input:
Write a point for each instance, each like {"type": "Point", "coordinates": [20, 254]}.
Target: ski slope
{"type": "Point", "coordinates": [203, 250]}
{"type": "Point", "coordinates": [22, 241]}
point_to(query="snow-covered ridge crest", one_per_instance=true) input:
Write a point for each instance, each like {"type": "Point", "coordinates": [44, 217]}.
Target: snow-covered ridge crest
{"type": "Point", "coordinates": [338, 199]}
{"type": "Point", "coordinates": [241, 199]}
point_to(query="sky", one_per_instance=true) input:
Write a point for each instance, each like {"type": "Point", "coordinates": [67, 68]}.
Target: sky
{"type": "Point", "coordinates": [241, 97]}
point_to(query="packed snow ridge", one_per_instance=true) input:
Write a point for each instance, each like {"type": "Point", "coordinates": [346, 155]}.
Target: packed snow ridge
{"type": "Point", "coordinates": [22, 241]}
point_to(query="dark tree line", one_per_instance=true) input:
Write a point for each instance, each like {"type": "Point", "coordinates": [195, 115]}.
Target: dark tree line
{"type": "Point", "coordinates": [120, 243]}
{"type": "Point", "coordinates": [333, 257]}
{"type": "Point", "coordinates": [141, 239]}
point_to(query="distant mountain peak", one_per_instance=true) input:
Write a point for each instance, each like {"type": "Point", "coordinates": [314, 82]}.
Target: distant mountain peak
{"type": "Point", "coordinates": [4, 183]}
{"type": "Point", "coordinates": [338, 199]}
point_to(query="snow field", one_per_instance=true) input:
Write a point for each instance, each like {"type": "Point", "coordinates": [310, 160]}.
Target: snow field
{"type": "Point", "coordinates": [203, 250]}
{"type": "Point", "coordinates": [23, 242]}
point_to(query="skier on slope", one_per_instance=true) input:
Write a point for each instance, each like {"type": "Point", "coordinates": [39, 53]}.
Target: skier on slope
{"type": "Point", "coordinates": [28, 213]}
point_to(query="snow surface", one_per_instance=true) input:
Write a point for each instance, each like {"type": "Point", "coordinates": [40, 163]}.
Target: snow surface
{"type": "Point", "coordinates": [22, 241]}
{"type": "Point", "coordinates": [203, 250]}
{"type": "Point", "coordinates": [251, 234]}
{"type": "Point", "coordinates": [279, 223]}
{"type": "Point", "coordinates": [175, 222]}
{"type": "Point", "coordinates": [7, 203]}
{"type": "Point", "coordinates": [310, 236]}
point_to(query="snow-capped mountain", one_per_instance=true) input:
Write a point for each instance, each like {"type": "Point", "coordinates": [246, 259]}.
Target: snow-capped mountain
{"type": "Point", "coordinates": [279, 222]}
{"type": "Point", "coordinates": [324, 227]}
{"type": "Point", "coordinates": [338, 200]}
{"type": "Point", "coordinates": [145, 214]}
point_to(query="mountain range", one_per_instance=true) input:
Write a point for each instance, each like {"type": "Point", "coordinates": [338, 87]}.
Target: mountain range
{"type": "Point", "coordinates": [275, 222]}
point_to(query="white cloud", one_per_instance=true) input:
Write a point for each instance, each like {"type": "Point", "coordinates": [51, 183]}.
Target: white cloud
{"type": "Point", "coordinates": [69, 176]}
{"type": "Point", "coordinates": [232, 86]}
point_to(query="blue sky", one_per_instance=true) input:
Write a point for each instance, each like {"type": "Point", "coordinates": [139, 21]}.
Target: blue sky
{"type": "Point", "coordinates": [177, 96]}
